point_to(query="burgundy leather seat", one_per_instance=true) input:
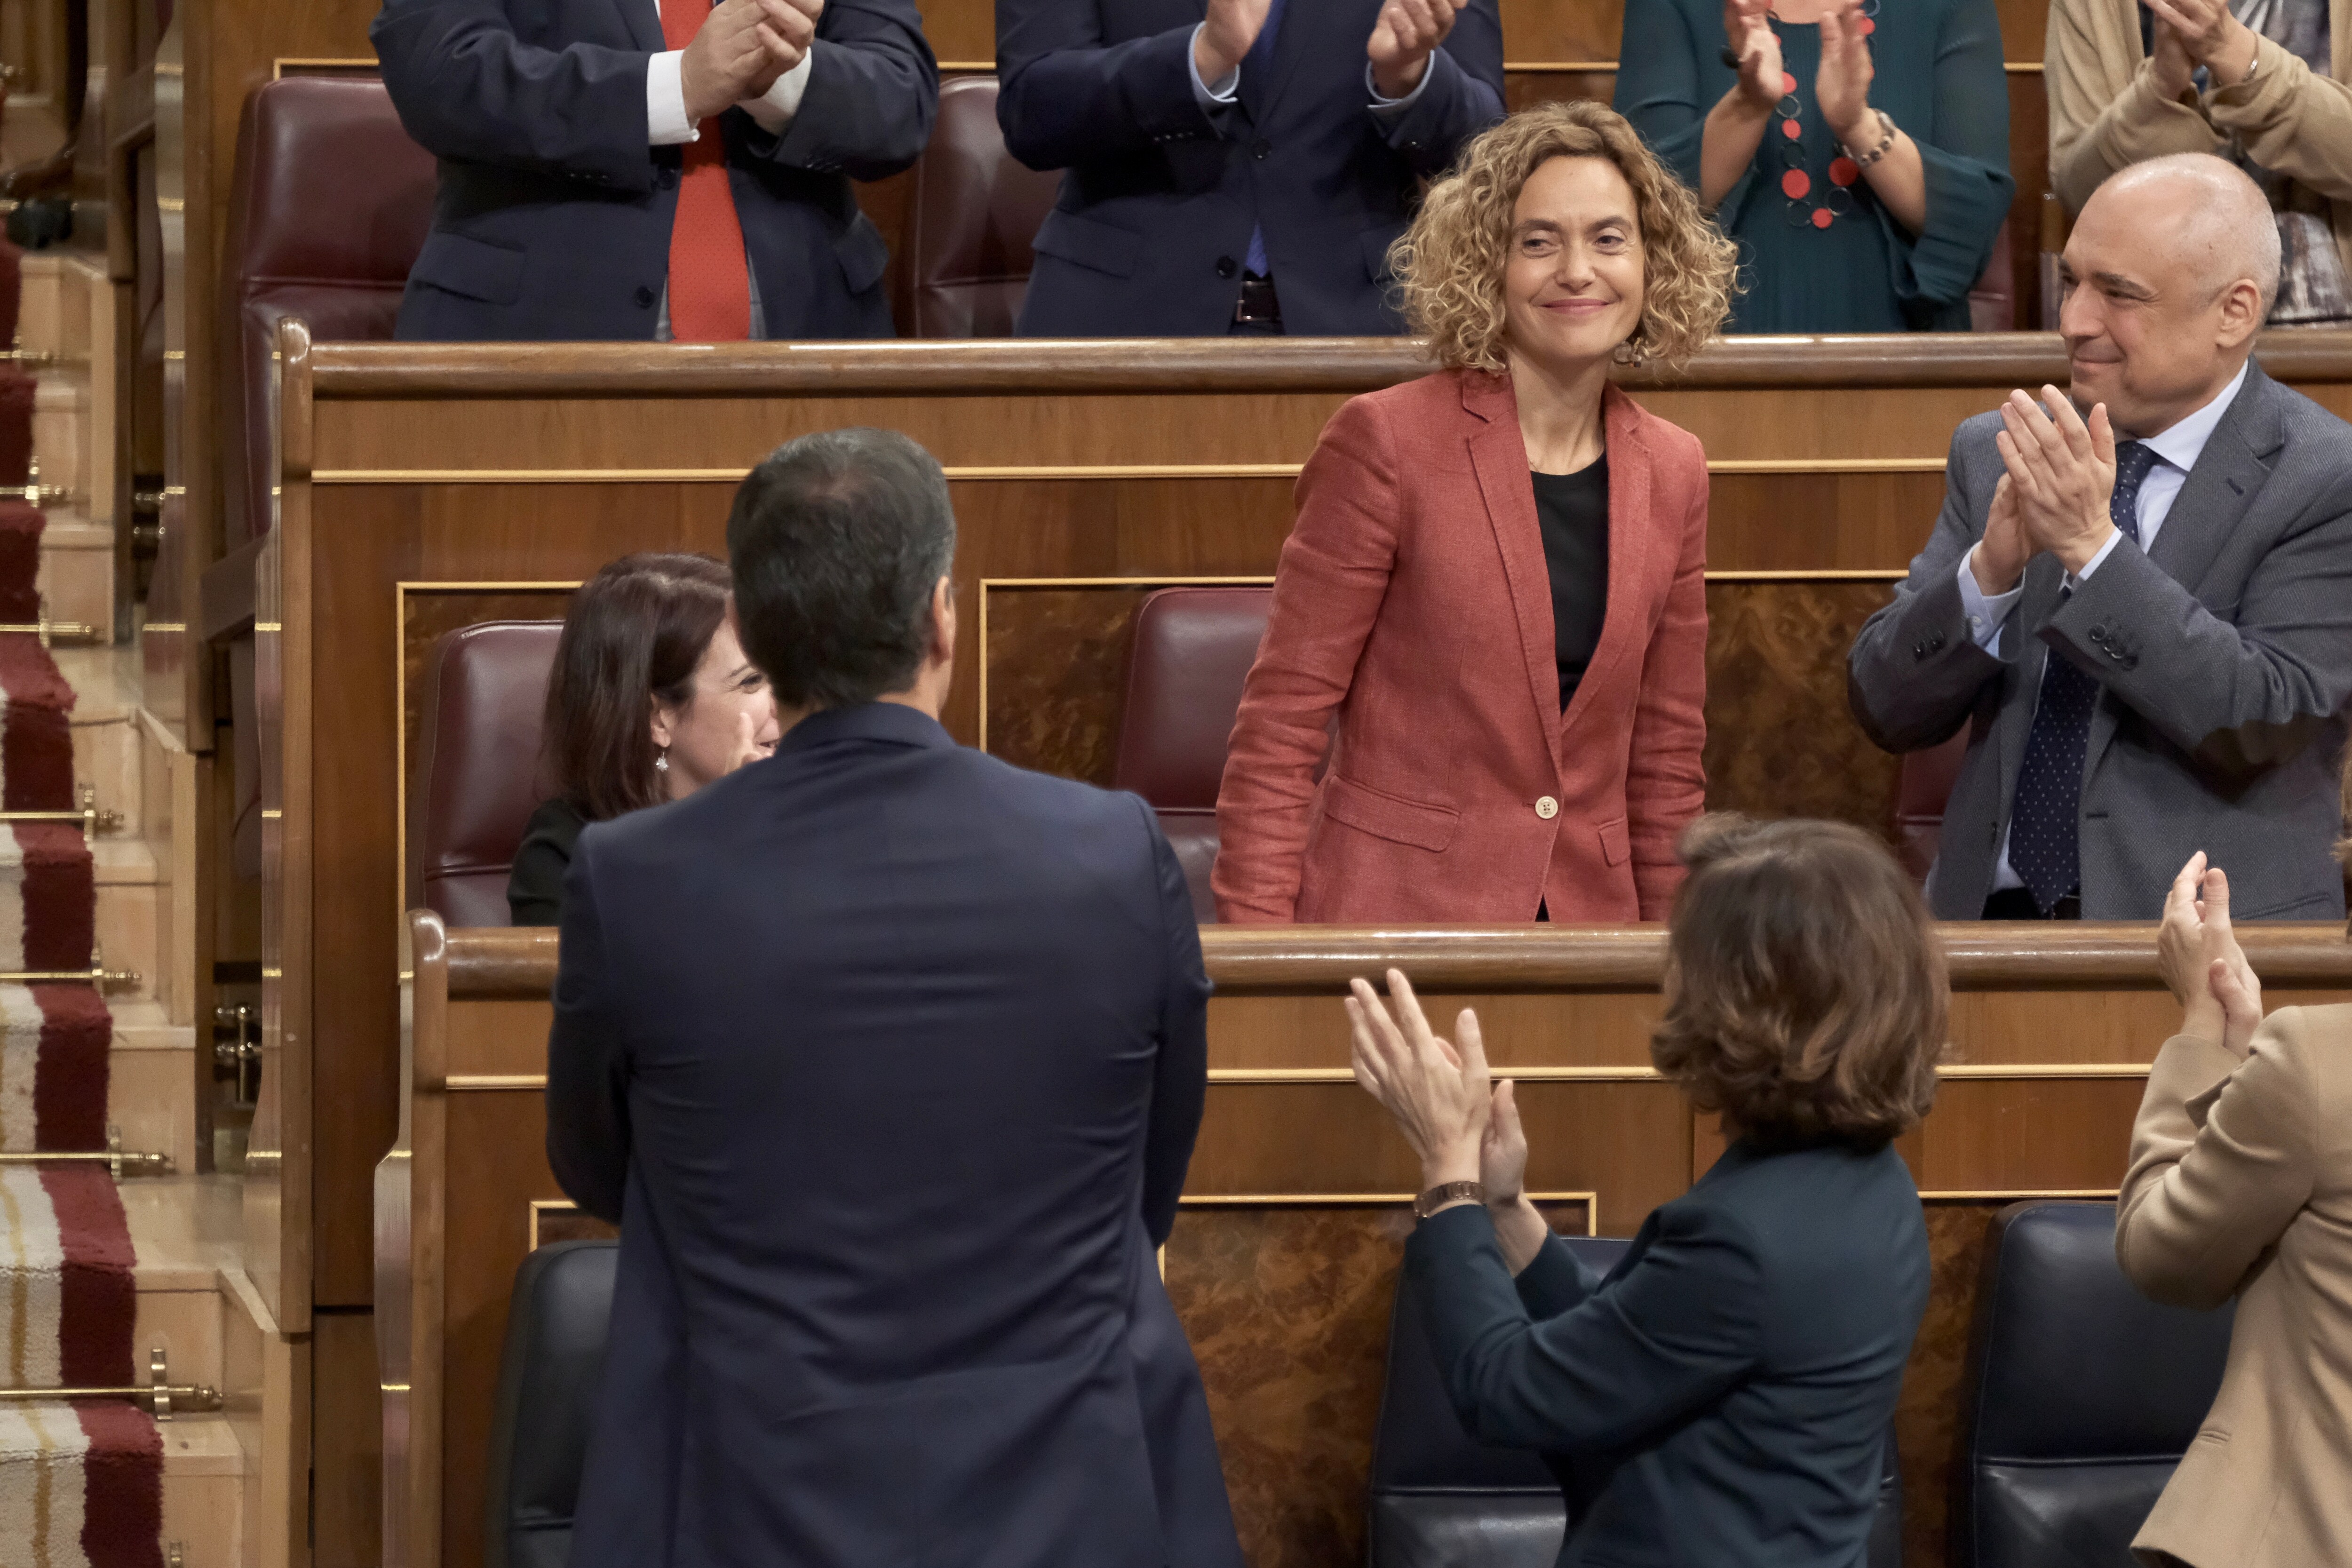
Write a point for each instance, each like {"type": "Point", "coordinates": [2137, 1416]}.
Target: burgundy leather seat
{"type": "Point", "coordinates": [477, 778]}
{"type": "Point", "coordinates": [330, 207]}
{"type": "Point", "coordinates": [1921, 787]}
{"type": "Point", "coordinates": [1992, 298]}
{"type": "Point", "coordinates": [969, 223]}
{"type": "Point", "coordinates": [1193, 650]}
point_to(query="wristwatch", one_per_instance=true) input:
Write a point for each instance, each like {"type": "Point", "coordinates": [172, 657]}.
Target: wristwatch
{"type": "Point", "coordinates": [1450, 1192]}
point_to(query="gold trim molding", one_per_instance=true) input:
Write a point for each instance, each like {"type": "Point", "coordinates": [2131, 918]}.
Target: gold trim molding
{"type": "Point", "coordinates": [980, 474]}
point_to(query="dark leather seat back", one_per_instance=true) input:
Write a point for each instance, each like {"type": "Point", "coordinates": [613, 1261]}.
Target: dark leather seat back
{"type": "Point", "coordinates": [1440, 1499]}
{"type": "Point", "coordinates": [1923, 784]}
{"type": "Point", "coordinates": [2081, 1396]}
{"type": "Point", "coordinates": [555, 1358]}
{"type": "Point", "coordinates": [974, 211]}
{"type": "Point", "coordinates": [1192, 652]}
{"type": "Point", "coordinates": [1992, 298]}
{"type": "Point", "coordinates": [477, 778]}
{"type": "Point", "coordinates": [330, 206]}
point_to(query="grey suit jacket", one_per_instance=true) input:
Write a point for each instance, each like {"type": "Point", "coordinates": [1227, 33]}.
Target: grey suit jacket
{"type": "Point", "coordinates": [2225, 654]}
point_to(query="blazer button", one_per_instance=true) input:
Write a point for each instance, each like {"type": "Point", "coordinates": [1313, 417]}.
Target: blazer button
{"type": "Point", "coordinates": [644, 296]}
{"type": "Point", "coordinates": [2099, 634]}
{"type": "Point", "coordinates": [1546, 808]}
{"type": "Point", "coordinates": [668, 179]}
{"type": "Point", "coordinates": [1227, 266]}
{"type": "Point", "coordinates": [1261, 149]}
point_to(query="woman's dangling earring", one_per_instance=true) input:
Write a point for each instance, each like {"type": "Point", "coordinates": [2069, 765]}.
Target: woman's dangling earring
{"type": "Point", "coordinates": [661, 761]}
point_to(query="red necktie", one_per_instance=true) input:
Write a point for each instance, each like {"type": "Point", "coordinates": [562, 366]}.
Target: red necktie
{"type": "Point", "coordinates": [709, 283]}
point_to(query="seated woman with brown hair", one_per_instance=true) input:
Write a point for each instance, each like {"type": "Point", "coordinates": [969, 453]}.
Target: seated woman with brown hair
{"type": "Point", "coordinates": [651, 698]}
{"type": "Point", "coordinates": [1724, 1395]}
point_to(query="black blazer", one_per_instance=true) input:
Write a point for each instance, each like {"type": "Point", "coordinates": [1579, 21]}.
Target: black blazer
{"type": "Point", "coordinates": [1723, 1396]}
{"type": "Point", "coordinates": [888, 1057]}
{"type": "Point", "coordinates": [535, 880]}
{"type": "Point", "coordinates": [1157, 206]}
{"type": "Point", "coordinates": [553, 218]}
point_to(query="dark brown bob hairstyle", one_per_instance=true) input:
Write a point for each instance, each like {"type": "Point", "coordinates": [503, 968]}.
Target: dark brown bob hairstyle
{"type": "Point", "coordinates": [1805, 989]}
{"type": "Point", "coordinates": [634, 634]}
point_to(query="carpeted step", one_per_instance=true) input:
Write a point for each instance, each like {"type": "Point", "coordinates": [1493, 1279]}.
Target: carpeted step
{"type": "Point", "coordinates": [82, 1485]}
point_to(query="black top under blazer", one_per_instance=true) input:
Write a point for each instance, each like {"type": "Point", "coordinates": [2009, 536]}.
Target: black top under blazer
{"type": "Point", "coordinates": [888, 1057]}
{"type": "Point", "coordinates": [1723, 1396]}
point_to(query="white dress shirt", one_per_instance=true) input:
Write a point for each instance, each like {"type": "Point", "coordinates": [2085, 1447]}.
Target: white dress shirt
{"type": "Point", "coordinates": [1228, 87]}
{"type": "Point", "coordinates": [2176, 448]}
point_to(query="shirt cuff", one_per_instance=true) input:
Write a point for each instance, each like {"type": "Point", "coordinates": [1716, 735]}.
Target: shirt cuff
{"type": "Point", "coordinates": [2093, 563]}
{"type": "Point", "coordinates": [1984, 612]}
{"type": "Point", "coordinates": [1391, 108]}
{"type": "Point", "coordinates": [775, 108]}
{"type": "Point", "coordinates": [1227, 85]}
{"type": "Point", "coordinates": [666, 120]}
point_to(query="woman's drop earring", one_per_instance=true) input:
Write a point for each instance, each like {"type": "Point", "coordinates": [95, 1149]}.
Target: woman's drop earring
{"type": "Point", "coordinates": [661, 761]}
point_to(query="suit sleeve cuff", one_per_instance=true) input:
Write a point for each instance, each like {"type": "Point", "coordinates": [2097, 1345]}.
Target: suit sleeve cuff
{"type": "Point", "coordinates": [1209, 99]}
{"type": "Point", "coordinates": [1984, 613]}
{"type": "Point", "coordinates": [1391, 108]}
{"type": "Point", "coordinates": [665, 121]}
{"type": "Point", "coordinates": [775, 108]}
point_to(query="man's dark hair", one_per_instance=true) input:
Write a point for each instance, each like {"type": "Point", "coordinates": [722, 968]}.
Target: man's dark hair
{"type": "Point", "coordinates": [837, 540]}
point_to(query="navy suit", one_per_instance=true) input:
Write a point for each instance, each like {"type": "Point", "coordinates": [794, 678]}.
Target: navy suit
{"type": "Point", "coordinates": [1723, 1396]}
{"type": "Point", "coordinates": [1160, 198]}
{"type": "Point", "coordinates": [553, 220]}
{"type": "Point", "coordinates": [888, 1057]}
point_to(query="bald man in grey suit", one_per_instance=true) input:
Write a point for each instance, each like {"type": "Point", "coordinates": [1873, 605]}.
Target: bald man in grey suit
{"type": "Point", "coordinates": [2138, 600]}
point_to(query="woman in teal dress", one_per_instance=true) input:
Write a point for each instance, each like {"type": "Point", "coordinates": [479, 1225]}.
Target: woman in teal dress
{"type": "Point", "coordinates": [1858, 152]}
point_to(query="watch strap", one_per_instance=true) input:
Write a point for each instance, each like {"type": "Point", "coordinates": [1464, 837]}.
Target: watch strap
{"type": "Point", "coordinates": [1449, 1192]}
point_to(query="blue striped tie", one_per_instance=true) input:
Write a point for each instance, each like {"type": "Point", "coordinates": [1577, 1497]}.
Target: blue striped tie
{"type": "Point", "coordinates": [2045, 822]}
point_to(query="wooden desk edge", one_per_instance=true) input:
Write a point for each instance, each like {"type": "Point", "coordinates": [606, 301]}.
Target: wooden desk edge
{"type": "Point", "coordinates": [1203, 365]}
{"type": "Point", "coordinates": [498, 962]}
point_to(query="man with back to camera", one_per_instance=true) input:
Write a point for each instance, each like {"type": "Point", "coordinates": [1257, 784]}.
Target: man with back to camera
{"type": "Point", "coordinates": [888, 1057]}
{"type": "Point", "coordinates": [2138, 601]}
{"type": "Point", "coordinates": [1244, 170]}
{"type": "Point", "coordinates": [654, 169]}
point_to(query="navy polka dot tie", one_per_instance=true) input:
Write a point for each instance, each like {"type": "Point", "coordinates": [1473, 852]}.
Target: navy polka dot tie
{"type": "Point", "coordinates": [2045, 823]}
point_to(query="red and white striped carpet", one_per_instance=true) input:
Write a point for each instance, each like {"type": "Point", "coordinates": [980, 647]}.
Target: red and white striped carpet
{"type": "Point", "coordinates": [81, 1483]}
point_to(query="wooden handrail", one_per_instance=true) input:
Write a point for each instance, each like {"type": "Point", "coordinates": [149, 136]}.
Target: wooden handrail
{"type": "Point", "coordinates": [498, 962]}
{"type": "Point", "coordinates": [405, 369]}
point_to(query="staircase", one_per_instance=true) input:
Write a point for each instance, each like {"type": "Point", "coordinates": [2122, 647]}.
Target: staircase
{"type": "Point", "coordinates": [65, 1471]}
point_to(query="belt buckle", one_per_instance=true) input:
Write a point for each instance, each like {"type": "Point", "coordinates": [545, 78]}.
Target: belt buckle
{"type": "Point", "coordinates": [1258, 305]}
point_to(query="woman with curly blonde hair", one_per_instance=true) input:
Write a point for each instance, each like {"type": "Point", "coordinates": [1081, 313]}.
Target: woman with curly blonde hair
{"type": "Point", "coordinates": [1495, 581]}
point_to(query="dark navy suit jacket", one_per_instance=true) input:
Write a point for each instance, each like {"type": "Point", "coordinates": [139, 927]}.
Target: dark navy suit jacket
{"type": "Point", "coordinates": [554, 215]}
{"type": "Point", "coordinates": [1157, 206]}
{"type": "Point", "coordinates": [888, 1057]}
{"type": "Point", "coordinates": [1723, 1396]}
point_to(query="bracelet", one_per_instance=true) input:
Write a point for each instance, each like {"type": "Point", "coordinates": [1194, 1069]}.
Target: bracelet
{"type": "Point", "coordinates": [1885, 143]}
{"type": "Point", "coordinates": [1449, 1192]}
{"type": "Point", "coordinates": [1728, 58]}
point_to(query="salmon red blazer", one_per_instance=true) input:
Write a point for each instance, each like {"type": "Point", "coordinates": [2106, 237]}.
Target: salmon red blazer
{"type": "Point", "coordinates": [1413, 600]}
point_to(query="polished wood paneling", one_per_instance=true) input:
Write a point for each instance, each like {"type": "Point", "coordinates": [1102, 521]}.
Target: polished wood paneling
{"type": "Point", "coordinates": [1780, 740]}
{"type": "Point", "coordinates": [1284, 1260]}
{"type": "Point", "coordinates": [347, 1432]}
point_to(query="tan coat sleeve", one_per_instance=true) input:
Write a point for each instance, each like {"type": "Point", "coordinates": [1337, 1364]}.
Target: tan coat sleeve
{"type": "Point", "coordinates": [2105, 110]}
{"type": "Point", "coordinates": [2221, 1159]}
{"type": "Point", "coordinates": [2294, 120]}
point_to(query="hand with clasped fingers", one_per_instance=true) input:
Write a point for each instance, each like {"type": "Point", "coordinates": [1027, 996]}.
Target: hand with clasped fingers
{"type": "Point", "coordinates": [1407, 33]}
{"type": "Point", "coordinates": [740, 49]}
{"type": "Point", "coordinates": [1461, 1127]}
{"type": "Point", "coordinates": [1226, 35]}
{"type": "Point", "coordinates": [2221, 995]}
{"type": "Point", "coordinates": [1748, 30]}
{"type": "Point", "coordinates": [2061, 475]}
{"type": "Point", "coordinates": [2209, 33]}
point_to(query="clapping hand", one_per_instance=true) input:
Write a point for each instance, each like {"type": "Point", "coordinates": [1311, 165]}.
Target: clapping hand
{"type": "Point", "coordinates": [1749, 32]}
{"type": "Point", "coordinates": [2173, 69]}
{"type": "Point", "coordinates": [740, 49]}
{"type": "Point", "coordinates": [1407, 31]}
{"type": "Point", "coordinates": [1842, 83]}
{"type": "Point", "coordinates": [1438, 1094]}
{"type": "Point", "coordinates": [2221, 995]}
{"type": "Point", "coordinates": [1230, 27]}
{"type": "Point", "coordinates": [2063, 473]}
{"type": "Point", "coordinates": [2210, 34]}
{"type": "Point", "coordinates": [1999, 559]}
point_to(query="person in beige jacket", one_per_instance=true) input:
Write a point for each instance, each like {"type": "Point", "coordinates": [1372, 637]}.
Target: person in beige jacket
{"type": "Point", "coordinates": [2114, 102]}
{"type": "Point", "coordinates": [2241, 1184]}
